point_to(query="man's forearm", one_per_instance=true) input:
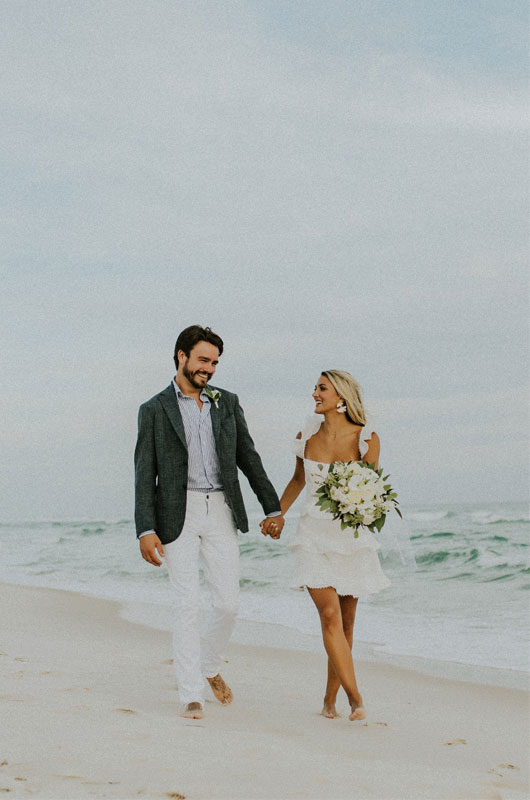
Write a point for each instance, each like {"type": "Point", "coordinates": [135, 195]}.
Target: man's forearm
{"type": "Point", "coordinates": [249, 461]}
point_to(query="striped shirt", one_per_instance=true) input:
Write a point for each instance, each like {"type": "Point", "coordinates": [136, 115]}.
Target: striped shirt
{"type": "Point", "coordinates": [203, 463]}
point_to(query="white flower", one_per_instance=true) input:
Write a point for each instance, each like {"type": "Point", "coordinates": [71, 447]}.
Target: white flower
{"type": "Point", "coordinates": [213, 394]}
{"type": "Point", "coordinates": [358, 492]}
{"type": "Point", "coordinates": [355, 496]}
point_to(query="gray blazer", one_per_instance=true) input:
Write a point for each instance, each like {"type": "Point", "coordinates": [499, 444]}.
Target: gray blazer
{"type": "Point", "coordinates": [161, 464]}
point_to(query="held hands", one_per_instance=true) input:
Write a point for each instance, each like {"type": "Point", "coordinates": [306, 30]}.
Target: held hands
{"type": "Point", "coordinates": [148, 546]}
{"type": "Point", "coordinates": [272, 526]}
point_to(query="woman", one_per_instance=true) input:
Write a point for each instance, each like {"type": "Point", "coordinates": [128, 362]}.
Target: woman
{"type": "Point", "coordinates": [335, 567]}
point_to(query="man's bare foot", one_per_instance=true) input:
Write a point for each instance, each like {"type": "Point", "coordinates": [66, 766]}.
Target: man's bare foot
{"type": "Point", "coordinates": [221, 690]}
{"type": "Point", "coordinates": [357, 712]}
{"type": "Point", "coordinates": [329, 710]}
{"type": "Point", "coordinates": [192, 711]}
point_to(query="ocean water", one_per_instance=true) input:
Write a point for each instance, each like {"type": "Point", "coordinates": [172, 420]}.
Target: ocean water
{"type": "Point", "coordinates": [467, 603]}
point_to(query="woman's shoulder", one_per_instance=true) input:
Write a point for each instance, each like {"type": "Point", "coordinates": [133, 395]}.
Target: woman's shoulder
{"type": "Point", "coordinates": [298, 445]}
{"type": "Point", "coordinates": [368, 436]}
{"type": "Point", "coordinates": [309, 428]}
{"type": "Point", "coordinates": [369, 424]}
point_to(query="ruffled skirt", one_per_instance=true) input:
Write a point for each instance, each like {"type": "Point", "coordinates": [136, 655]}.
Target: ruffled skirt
{"type": "Point", "coordinates": [326, 556]}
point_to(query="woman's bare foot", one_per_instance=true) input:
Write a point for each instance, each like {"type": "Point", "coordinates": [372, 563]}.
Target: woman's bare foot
{"type": "Point", "coordinates": [192, 711]}
{"type": "Point", "coordinates": [357, 712]}
{"type": "Point", "coordinates": [221, 690]}
{"type": "Point", "coordinates": [329, 710]}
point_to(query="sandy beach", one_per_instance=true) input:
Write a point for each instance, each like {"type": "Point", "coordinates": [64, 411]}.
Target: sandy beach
{"type": "Point", "coordinates": [89, 709]}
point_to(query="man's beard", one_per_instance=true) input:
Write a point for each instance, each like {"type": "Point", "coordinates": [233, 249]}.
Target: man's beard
{"type": "Point", "coordinates": [190, 376]}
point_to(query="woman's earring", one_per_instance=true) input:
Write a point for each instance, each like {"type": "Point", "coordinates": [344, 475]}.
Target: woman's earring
{"type": "Point", "coordinates": [341, 407]}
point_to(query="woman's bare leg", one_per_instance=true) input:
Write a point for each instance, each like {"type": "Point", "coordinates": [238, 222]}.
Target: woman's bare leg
{"type": "Point", "coordinates": [348, 607]}
{"type": "Point", "coordinates": [337, 647]}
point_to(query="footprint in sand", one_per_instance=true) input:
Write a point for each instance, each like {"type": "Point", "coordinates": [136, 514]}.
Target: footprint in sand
{"type": "Point", "coordinates": [503, 767]}
{"type": "Point", "coordinates": [13, 698]}
{"type": "Point", "coordinates": [76, 689]}
{"type": "Point", "coordinates": [369, 724]}
{"type": "Point", "coordinates": [457, 741]}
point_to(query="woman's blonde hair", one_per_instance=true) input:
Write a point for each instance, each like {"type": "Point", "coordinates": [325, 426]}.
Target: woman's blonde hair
{"type": "Point", "coordinates": [347, 387]}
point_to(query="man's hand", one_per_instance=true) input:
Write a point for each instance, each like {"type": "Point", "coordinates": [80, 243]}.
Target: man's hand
{"type": "Point", "coordinates": [272, 526]}
{"type": "Point", "coordinates": [148, 546]}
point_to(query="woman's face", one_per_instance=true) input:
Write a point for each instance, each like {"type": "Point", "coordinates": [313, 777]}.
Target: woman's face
{"type": "Point", "coordinates": [325, 396]}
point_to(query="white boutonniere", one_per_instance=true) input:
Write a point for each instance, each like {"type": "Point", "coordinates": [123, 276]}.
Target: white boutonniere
{"type": "Point", "coordinates": [214, 395]}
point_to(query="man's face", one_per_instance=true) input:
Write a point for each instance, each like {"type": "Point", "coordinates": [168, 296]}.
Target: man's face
{"type": "Point", "coordinates": [200, 365]}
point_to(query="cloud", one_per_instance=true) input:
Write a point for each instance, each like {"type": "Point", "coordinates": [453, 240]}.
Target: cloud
{"type": "Point", "coordinates": [340, 187]}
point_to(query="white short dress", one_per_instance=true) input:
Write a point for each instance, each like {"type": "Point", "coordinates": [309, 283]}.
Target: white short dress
{"type": "Point", "coordinates": [325, 555]}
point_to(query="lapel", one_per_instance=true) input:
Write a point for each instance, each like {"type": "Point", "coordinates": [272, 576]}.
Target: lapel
{"type": "Point", "coordinates": [170, 404]}
{"type": "Point", "coordinates": [215, 416]}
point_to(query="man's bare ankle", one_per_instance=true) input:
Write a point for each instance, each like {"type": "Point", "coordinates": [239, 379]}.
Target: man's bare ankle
{"type": "Point", "coordinates": [221, 689]}
{"type": "Point", "coordinates": [193, 710]}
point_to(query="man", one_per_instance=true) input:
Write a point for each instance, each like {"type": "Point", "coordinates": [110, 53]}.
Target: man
{"type": "Point", "coordinates": [191, 440]}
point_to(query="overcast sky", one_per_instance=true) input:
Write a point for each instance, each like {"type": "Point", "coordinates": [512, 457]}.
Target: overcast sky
{"type": "Point", "coordinates": [327, 184]}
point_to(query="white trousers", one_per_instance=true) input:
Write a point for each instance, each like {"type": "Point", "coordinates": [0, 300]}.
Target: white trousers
{"type": "Point", "coordinates": [209, 538]}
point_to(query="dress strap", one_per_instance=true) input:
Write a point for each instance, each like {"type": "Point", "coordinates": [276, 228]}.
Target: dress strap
{"type": "Point", "coordinates": [366, 435]}
{"type": "Point", "coordinates": [310, 427]}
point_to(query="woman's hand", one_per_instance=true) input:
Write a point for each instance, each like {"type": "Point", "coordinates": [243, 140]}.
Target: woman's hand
{"type": "Point", "coordinates": [272, 526]}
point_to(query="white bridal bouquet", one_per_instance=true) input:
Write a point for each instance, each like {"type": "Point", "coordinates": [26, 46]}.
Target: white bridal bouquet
{"type": "Point", "coordinates": [357, 494]}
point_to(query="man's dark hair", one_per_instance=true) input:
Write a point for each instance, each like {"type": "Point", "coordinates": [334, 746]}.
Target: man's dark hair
{"type": "Point", "coordinates": [191, 336]}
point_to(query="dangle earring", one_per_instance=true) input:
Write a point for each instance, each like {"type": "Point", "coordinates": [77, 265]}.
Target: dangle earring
{"type": "Point", "coordinates": [341, 407]}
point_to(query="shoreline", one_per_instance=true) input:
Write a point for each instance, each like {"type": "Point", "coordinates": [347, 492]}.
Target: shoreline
{"type": "Point", "coordinates": [436, 620]}
{"type": "Point", "coordinates": [280, 636]}
{"type": "Point", "coordinates": [90, 710]}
